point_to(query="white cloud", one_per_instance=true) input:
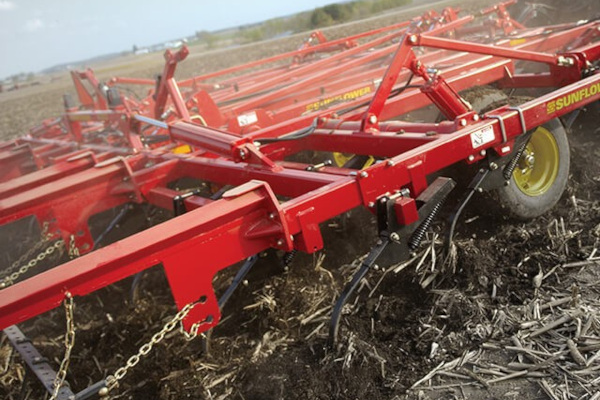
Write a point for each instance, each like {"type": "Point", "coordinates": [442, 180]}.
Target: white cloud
{"type": "Point", "coordinates": [6, 5]}
{"type": "Point", "coordinates": [34, 24]}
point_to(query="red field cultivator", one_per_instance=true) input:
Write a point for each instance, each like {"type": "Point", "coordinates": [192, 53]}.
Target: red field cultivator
{"type": "Point", "coordinates": [243, 136]}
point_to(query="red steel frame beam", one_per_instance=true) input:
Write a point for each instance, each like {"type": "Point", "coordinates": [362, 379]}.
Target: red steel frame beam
{"type": "Point", "coordinates": [249, 218]}
{"type": "Point", "coordinates": [105, 115]}
{"type": "Point", "coordinates": [240, 222]}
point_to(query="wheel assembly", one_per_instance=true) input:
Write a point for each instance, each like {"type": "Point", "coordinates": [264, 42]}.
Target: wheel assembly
{"type": "Point", "coordinates": [541, 173]}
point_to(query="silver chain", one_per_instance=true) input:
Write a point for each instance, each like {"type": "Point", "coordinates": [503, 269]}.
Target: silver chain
{"type": "Point", "coordinates": [59, 380]}
{"type": "Point", "coordinates": [73, 250]}
{"type": "Point", "coordinates": [21, 260]}
{"type": "Point", "coordinates": [113, 380]}
{"type": "Point", "coordinates": [13, 276]}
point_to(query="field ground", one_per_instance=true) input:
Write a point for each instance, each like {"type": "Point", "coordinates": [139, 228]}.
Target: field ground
{"type": "Point", "coordinates": [514, 315]}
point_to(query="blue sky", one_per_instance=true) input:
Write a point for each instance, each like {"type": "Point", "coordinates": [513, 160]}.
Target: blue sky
{"type": "Point", "coordinates": [37, 34]}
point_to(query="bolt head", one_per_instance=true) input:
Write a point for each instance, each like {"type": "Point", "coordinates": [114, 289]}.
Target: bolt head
{"type": "Point", "coordinates": [103, 392]}
{"type": "Point", "coordinates": [245, 282]}
{"type": "Point", "coordinates": [373, 119]}
{"type": "Point", "coordinates": [483, 153]}
{"type": "Point", "coordinates": [271, 216]}
{"type": "Point", "coordinates": [471, 157]}
{"type": "Point", "coordinates": [371, 204]}
{"type": "Point", "coordinates": [364, 174]}
{"type": "Point", "coordinates": [242, 154]}
{"type": "Point", "coordinates": [394, 236]}
{"type": "Point", "coordinates": [413, 39]}
{"type": "Point", "coordinates": [530, 160]}
{"type": "Point", "coordinates": [390, 163]}
{"type": "Point", "coordinates": [476, 117]}
{"type": "Point", "coordinates": [280, 242]}
{"type": "Point", "coordinates": [493, 166]}
{"type": "Point", "coordinates": [463, 122]}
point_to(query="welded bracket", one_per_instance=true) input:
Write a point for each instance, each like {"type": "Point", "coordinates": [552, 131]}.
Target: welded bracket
{"type": "Point", "coordinates": [190, 275]}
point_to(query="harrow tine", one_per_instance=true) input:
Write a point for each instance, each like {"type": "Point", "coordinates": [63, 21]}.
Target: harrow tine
{"type": "Point", "coordinates": [115, 221]}
{"type": "Point", "coordinates": [241, 274]}
{"type": "Point", "coordinates": [474, 187]}
{"type": "Point", "coordinates": [351, 287]}
{"type": "Point", "coordinates": [237, 279]}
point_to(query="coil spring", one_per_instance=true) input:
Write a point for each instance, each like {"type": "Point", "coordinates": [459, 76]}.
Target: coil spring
{"type": "Point", "coordinates": [417, 236]}
{"type": "Point", "coordinates": [510, 167]}
{"type": "Point", "coordinates": [288, 257]}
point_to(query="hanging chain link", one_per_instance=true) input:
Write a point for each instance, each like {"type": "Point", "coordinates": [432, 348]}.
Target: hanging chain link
{"type": "Point", "coordinates": [13, 276]}
{"type": "Point", "coordinates": [113, 380]}
{"type": "Point", "coordinates": [14, 271]}
{"type": "Point", "coordinates": [59, 380]}
{"type": "Point", "coordinates": [21, 260]}
{"type": "Point", "coordinates": [73, 250]}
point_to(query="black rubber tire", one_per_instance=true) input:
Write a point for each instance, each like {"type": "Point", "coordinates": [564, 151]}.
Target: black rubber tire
{"type": "Point", "coordinates": [522, 206]}
{"type": "Point", "coordinates": [510, 200]}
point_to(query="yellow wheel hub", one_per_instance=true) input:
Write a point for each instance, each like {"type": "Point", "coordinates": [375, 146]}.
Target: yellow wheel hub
{"type": "Point", "coordinates": [342, 158]}
{"type": "Point", "coordinates": [538, 166]}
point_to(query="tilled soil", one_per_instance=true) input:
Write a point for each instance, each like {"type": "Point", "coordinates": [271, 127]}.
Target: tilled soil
{"type": "Point", "coordinates": [403, 323]}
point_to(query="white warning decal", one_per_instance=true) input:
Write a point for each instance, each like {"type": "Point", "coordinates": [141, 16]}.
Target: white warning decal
{"type": "Point", "coordinates": [482, 136]}
{"type": "Point", "coordinates": [247, 119]}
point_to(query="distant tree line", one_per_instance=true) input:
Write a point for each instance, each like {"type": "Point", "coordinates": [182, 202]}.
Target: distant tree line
{"type": "Point", "coordinates": [21, 77]}
{"type": "Point", "coordinates": [318, 18]}
{"type": "Point", "coordinates": [342, 12]}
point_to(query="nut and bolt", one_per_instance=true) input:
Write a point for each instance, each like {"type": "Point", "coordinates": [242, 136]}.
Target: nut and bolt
{"type": "Point", "coordinates": [493, 166]}
{"type": "Point", "coordinates": [394, 236]}
{"type": "Point", "coordinates": [530, 160]}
